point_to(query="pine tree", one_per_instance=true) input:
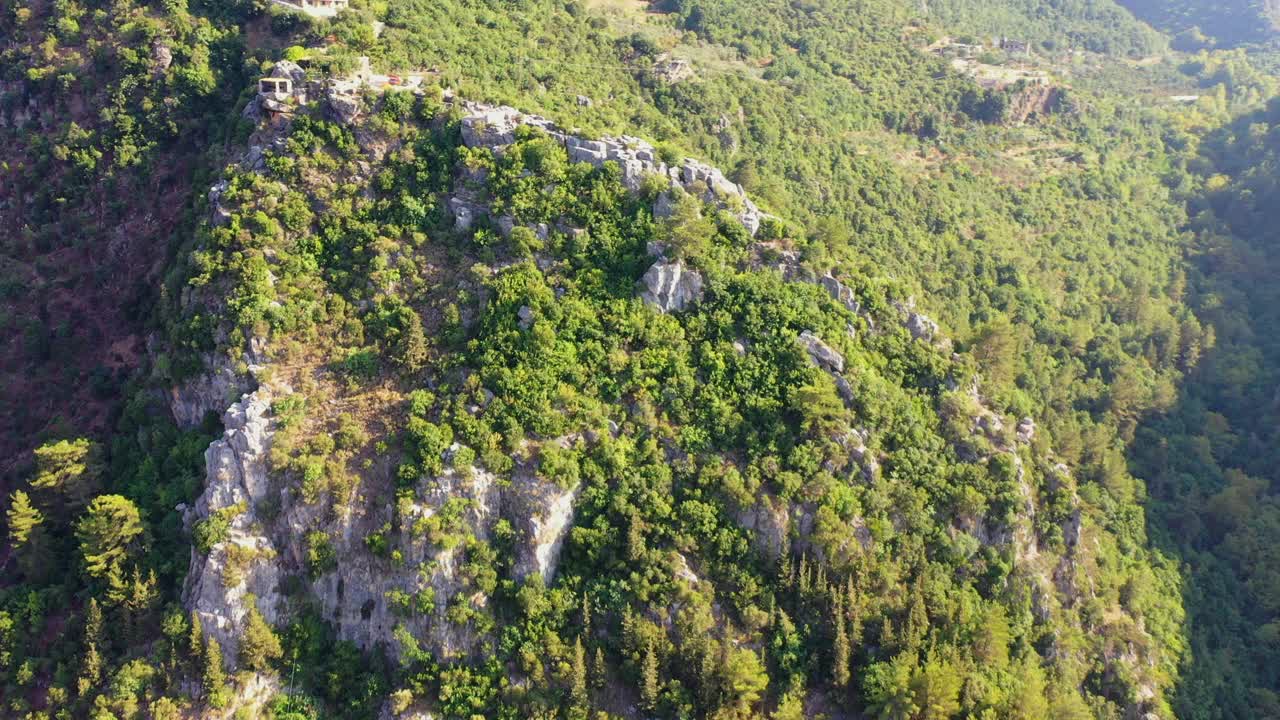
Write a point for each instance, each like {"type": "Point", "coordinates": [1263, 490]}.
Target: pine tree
{"type": "Point", "coordinates": [635, 539]}
{"type": "Point", "coordinates": [70, 469]}
{"type": "Point", "coordinates": [599, 670]}
{"type": "Point", "coordinates": [138, 599]}
{"type": "Point", "coordinates": [260, 646]}
{"type": "Point", "coordinates": [578, 691]}
{"type": "Point", "coordinates": [215, 680]}
{"type": "Point", "coordinates": [28, 536]}
{"type": "Point", "coordinates": [195, 642]}
{"type": "Point", "coordinates": [649, 679]}
{"type": "Point", "coordinates": [840, 648]}
{"type": "Point", "coordinates": [887, 639]}
{"type": "Point", "coordinates": [91, 666]}
{"type": "Point", "coordinates": [24, 519]}
{"type": "Point", "coordinates": [917, 617]}
{"type": "Point", "coordinates": [708, 681]}
{"type": "Point", "coordinates": [108, 530]}
{"type": "Point", "coordinates": [586, 614]}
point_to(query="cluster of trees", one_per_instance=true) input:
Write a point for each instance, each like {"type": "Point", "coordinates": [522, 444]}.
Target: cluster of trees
{"type": "Point", "coordinates": [1211, 460]}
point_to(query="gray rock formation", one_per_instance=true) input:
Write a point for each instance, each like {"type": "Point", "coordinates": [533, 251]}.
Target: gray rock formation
{"type": "Point", "coordinates": [921, 327]}
{"type": "Point", "coordinates": [494, 128]}
{"type": "Point", "coordinates": [822, 354]}
{"type": "Point", "coordinates": [541, 513]}
{"type": "Point", "coordinates": [240, 564]}
{"type": "Point", "coordinates": [209, 392]}
{"type": "Point", "coordinates": [841, 293]}
{"type": "Point", "coordinates": [358, 594]}
{"type": "Point", "coordinates": [1026, 430]}
{"type": "Point", "coordinates": [769, 522]}
{"type": "Point", "coordinates": [161, 58]}
{"type": "Point", "coordinates": [343, 108]}
{"type": "Point", "coordinates": [670, 287]}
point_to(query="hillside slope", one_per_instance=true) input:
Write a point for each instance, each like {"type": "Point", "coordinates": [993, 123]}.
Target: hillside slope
{"type": "Point", "coordinates": [679, 359]}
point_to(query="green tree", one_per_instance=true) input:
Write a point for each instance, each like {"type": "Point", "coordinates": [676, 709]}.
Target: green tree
{"type": "Point", "coordinates": [599, 670]}
{"type": "Point", "coordinates": [28, 537]}
{"type": "Point", "coordinates": [936, 688]}
{"type": "Point", "coordinates": [649, 681]}
{"type": "Point", "coordinates": [744, 678]}
{"type": "Point", "coordinates": [259, 645]}
{"type": "Point", "coordinates": [889, 691]}
{"type": "Point", "coordinates": [840, 650]}
{"type": "Point", "coordinates": [578, 687]}
{"type": "Point", "coordinates": [1028, 700]}
{"type": "Point", "coordinates": [69, 469]}
{"type": "Point", "coordinates": [108, 531]}
{"type": "Point", "coordinates": [24, 518]}
{"type": "Point", "coordinates": [91, 661]}
{"type": "Point", "coordinates": [215, 681]}
{"type": "Point", "coordinates": [991, 641]}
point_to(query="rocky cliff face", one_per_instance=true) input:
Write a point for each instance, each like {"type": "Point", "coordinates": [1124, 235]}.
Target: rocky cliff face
{"type": "Point", "coordinates": [267, 526]}
{"type": "Point", "coordinates": [240, 561]}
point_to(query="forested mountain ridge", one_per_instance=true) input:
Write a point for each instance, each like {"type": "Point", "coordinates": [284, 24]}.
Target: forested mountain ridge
{"type": "Point", "coordinates": [537, 427]}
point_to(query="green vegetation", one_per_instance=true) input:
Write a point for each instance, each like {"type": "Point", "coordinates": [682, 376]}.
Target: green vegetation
{"type": "Point", "coordinates": [754, 533]}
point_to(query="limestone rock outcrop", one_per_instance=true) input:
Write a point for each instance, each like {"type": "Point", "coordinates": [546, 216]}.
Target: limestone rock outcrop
{"type": "Point", "coordinates": [494, 128]}
{"type": "Point", "coordinates": [208, 392]}
{"type": "Point", "coordinates": [240, 561]}
{"type": "Point", "coordinates": [822, 354]}
{"type": "Point", "coordinates": [671, 287]}
{"type": "Point", "coordinates": [366, 595]}
{"type": "Point", "coordinates": [344, 108]}
{"type": "Point", "coordinates": [542, 513]}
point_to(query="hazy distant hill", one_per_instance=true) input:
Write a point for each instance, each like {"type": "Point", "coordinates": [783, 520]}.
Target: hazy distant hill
{"type": "Point", "coordinates": [1221, 23]}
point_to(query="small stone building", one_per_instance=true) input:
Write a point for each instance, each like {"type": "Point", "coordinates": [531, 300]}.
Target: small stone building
{"type": "Point", "coordinates": [325, 7]}
{"type": "Point", "coordinates": [275, 86]}
{"type": "Point", "coordinates": [283, 86]}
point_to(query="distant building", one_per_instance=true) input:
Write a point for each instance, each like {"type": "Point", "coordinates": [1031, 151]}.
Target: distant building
{"type": "Point", "coordinates": [316, 8]}
{"type": "Point", "coordinates": [330, 6]}
{"type": "Point", "coordinates": [284, 86]}
{"type": "Point", "coordinates": [1010, 45]}
{"type": "Point", "coordinates": [275, 86]}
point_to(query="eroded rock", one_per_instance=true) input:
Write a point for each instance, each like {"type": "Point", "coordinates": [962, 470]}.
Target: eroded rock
{"type": "Point", "coordinates": [541, 513]}
{"type": "Point", "coordinates": [670, 286]}
{"type": "Point", "coordinates": [822, 354]}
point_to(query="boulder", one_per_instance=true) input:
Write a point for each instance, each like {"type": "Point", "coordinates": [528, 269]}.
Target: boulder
{"type": "Point", "coordinates": [289, 70]}
{"type": "Point", "coordinates": [822, 354]}
{"type": "Point", "coordinates": [343, 108]}
{"type": "Point", "coordinates": [1026, 430]}
{"type": "Point", "coordinates": [840, 293]}
{"type": "Point", "coordinates": [670, 287]}
{"type": "Point", "coordinates": [218, 214]}
{"type": "Point", "coordinates": [161, 58]}
{"type": "Point", "coordinates": [769, 523]}
{"type": "Point", "coordinates": [921, 327]}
